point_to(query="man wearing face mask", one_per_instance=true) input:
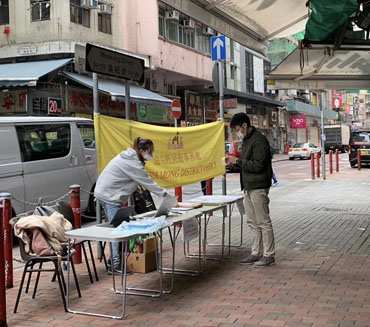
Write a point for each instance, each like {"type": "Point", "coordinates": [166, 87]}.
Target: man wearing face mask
{"type": "Point", "coordinates": [256, 174]}
{"type": "Point", "coordinates": [120, 178]}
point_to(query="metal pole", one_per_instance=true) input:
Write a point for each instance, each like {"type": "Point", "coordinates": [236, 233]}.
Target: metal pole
{"type": "Point", "coordinates": [3, 322]}
{"type": "Point", "coordinates": [127, 100]}
{"type": "Point", "coordinates": [5, 201]}
{"type": "Point", "coordinates": [322, 136]}
{"type": "Point", "coordinates": [75, 202]}
{"type": "Point", "coordinates": [221, 87]}
{"type": "Point", "coordinates": [312, 156]}
{"type": "Point", "coordinates": [96, 113]}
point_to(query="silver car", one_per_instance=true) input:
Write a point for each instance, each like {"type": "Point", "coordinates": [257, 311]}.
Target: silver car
{"type": "Point", "coordinates": [302, 150]}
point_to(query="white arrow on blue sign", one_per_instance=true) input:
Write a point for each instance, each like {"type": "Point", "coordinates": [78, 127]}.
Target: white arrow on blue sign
{"type": "Point", "coordinates": [218, 47]}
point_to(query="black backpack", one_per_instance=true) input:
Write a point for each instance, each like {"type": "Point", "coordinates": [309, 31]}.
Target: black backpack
{"type": "Point", "coordinates": [143, 200]}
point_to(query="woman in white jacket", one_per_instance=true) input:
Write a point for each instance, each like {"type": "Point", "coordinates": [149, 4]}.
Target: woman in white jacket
{"type": "Point", "coordinates": [121, 177]}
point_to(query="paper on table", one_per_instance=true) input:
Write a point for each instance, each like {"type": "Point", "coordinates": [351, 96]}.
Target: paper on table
{"type": "Point", "coordinates": [189, 205]}
{"type": "Point", "coordinates": [180, 209]}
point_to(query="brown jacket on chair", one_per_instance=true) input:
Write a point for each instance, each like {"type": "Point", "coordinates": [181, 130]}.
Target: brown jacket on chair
{"type": "Point", "coordinates": [53, 227]}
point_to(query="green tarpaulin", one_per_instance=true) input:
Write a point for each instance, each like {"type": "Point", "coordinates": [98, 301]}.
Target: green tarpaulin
{"type": "Point", "coordinates": [328, 18]}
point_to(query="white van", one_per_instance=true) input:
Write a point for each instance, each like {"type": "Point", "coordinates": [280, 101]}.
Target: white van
{"type": "Point", "coordinates": [40, 157]}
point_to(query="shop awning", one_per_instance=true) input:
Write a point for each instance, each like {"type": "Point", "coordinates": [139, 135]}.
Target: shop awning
{"type": "Point", "coordinates": [255, 99]}
{"type": "Point", "coordinates": [118, 91]}
{"type": "Point", "coordinates": [310, 110]}
{"type": "Point", "coordinates": [28, 73]}
{"type": "Point", "coordinates": [323, 68]}
{"type": "Point", "coordinates": [267, 18]}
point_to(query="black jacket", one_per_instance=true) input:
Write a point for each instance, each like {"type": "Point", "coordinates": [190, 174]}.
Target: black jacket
{"type": "Point", "coordinates": [255, 163]}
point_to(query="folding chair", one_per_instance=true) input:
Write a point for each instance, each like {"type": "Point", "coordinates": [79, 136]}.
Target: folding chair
{"type": "Point", "coordinates": [65, 209]}
{"type": "Point", "coordinates": [31, 261]}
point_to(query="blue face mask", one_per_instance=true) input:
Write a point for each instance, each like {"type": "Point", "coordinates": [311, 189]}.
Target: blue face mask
{"type": "Point", "coordinates": [147, 157]}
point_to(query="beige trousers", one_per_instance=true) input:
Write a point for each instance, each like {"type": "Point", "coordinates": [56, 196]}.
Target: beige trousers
{"type": "Point", "coordinates": [256, 203]}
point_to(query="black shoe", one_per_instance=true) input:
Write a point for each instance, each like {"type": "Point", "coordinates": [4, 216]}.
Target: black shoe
{"type": "Point", "coordinates": [250, 259]}
{"type": "Point", "coordinates": [117, 270]}
{"type": "Point", "coordinates": [264, 262]}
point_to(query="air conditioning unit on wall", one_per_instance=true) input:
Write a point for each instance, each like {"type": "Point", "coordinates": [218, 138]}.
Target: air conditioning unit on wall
{"type": "Point", "coordinates": [208, 31]}
{"type": "Point", "coordinates": [172, 15]}
{"type": "Point", "coordinates": [89, 4]}
{"type": "Point", "coordinates": [189, 23]}
{"type": "Point", "coordinates": [105, 9]}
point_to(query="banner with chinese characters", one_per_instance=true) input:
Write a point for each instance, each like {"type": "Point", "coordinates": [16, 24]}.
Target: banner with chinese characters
{"type": "Point", "coordinates": [182, 155]}
{"type": "Point", "coordinates": [13, 102]}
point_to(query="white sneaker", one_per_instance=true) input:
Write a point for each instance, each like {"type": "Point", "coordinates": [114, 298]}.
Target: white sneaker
{"type": "Point", "coordinates": [275, 184]}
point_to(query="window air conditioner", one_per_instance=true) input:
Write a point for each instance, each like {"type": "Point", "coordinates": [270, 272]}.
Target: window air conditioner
{"type": "Point", "coordinates": [105, 9]}
{"type": "Point", "coordinates": [90, 4]}
{"type": "Point", "coordinates": [189, 23]}
{"type": "Point", "coordinates": [208, 31]}
{"type": "Point", "coordinates": [172, 15]}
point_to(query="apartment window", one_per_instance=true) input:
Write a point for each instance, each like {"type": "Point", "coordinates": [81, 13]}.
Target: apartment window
{"type": "Point", "coordinates": [232, 71]}
{"type": "Point", "coordinates": [79, 15]}
{"type": "Point", "coordinates": [162, 21]}
{"type": "Point", "coordinates": [203, 41]}
{"type": "Point", "coordinates": [186, 36]}
{"type": "Point", "coordinates": [267, 70]}
{"type": "Point", "coordinates": [175, 30]}
{"type": "Point", "coordinates": [4, 12]}
{"type": "Point", "coordinates": [249, 80]}
{"type": "Point", "coordinates": [105, 23]}
{"type": "Point", "coordinates": [172, 31]}
{"type": "Point", "coordinates": [231, 50]}
{"type": "Point", "coordinates": [40, 10]}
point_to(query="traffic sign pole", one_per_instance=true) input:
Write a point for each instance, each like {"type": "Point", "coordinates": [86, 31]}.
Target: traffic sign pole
{"type": "Point", "coordinates": [221, 88]}
{"type": "Point", "coordinates": [218, 44]}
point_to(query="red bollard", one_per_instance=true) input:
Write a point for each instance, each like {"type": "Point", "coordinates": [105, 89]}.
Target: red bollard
{"type": "Point", "coordinates": [178, 193]}
{"type": "Point", "coordinates": [75, 202]}
{"type": "Point", "coordinates": [8, 239]}
{"type": "Point", "coordinates": [336, 160]}
{"type": "Point", "coordinates": [318, 156]}
{"type": "Point", "coordinates": [331, 161]}
{"type": "Point", "coordinates": [209, 190]}
{"type": "Point", "coordinates": [2, 274]}
{"type": "Point", "coordinates": [312, 166]}
{"type": "Point", "coordinates": [359, 159]}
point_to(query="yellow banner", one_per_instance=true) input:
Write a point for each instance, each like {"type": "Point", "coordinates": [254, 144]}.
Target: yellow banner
{"type": "Point", "coordinates": [182, 155]}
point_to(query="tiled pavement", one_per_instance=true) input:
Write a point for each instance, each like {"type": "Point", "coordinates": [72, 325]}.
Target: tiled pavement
{"type": "Point", "coordinates": [321, 277]}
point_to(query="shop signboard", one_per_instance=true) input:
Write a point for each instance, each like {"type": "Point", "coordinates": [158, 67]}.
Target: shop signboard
{"type": "Point", "coordinates": [258, 75]}
{"type": "Point", "coordinates": [54, 106]}
{"type": "Point", "coordinates": [154, 114]}
{"type": "Point", "coordinates": [350, 99]}
{"type": "Point", "coordinates": [81, 101]}
{"type": "Point", "coordinates": [194, 110]}
{"type": "Point", "coordinates": [13, 102]}
{"type": "Point", "coordinates": [298, 122]}
{"type": "Point", "coordinates": [105, 61]}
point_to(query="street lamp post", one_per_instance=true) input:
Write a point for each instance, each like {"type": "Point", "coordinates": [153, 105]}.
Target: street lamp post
{"type": "Point", "coordinates": [323, 137]}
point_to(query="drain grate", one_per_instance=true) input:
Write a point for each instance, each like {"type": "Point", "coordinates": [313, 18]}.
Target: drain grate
{"type": "Point", "coordinates": [332, 209]}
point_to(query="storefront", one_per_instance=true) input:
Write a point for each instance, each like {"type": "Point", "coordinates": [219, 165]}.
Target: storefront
{"type": "Point", "coordinates": [146, 106]}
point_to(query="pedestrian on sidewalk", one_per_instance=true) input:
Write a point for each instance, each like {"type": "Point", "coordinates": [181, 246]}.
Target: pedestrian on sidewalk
{"type": "Point", "coordinates": [274, 179]}
{"type": "Point", "coordinates": [120, 178]}
{"type": "Point", "coordinates": [256, 175]}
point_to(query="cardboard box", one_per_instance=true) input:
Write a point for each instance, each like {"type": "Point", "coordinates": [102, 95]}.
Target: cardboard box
{"type": "Point", "coordinates": [149, 244]}
{"type": "Point", "coordinates": [142, 262]}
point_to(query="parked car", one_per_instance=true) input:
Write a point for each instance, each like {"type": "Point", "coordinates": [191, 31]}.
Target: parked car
{"type": "Point", "coordinates": [40, 157]}
{"type": "Point", "coordinates": [359, 140]}
{"type": "Point", "coordinates": [302, 150]}
{"type": "Point", "coordinates": [233, 148]}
